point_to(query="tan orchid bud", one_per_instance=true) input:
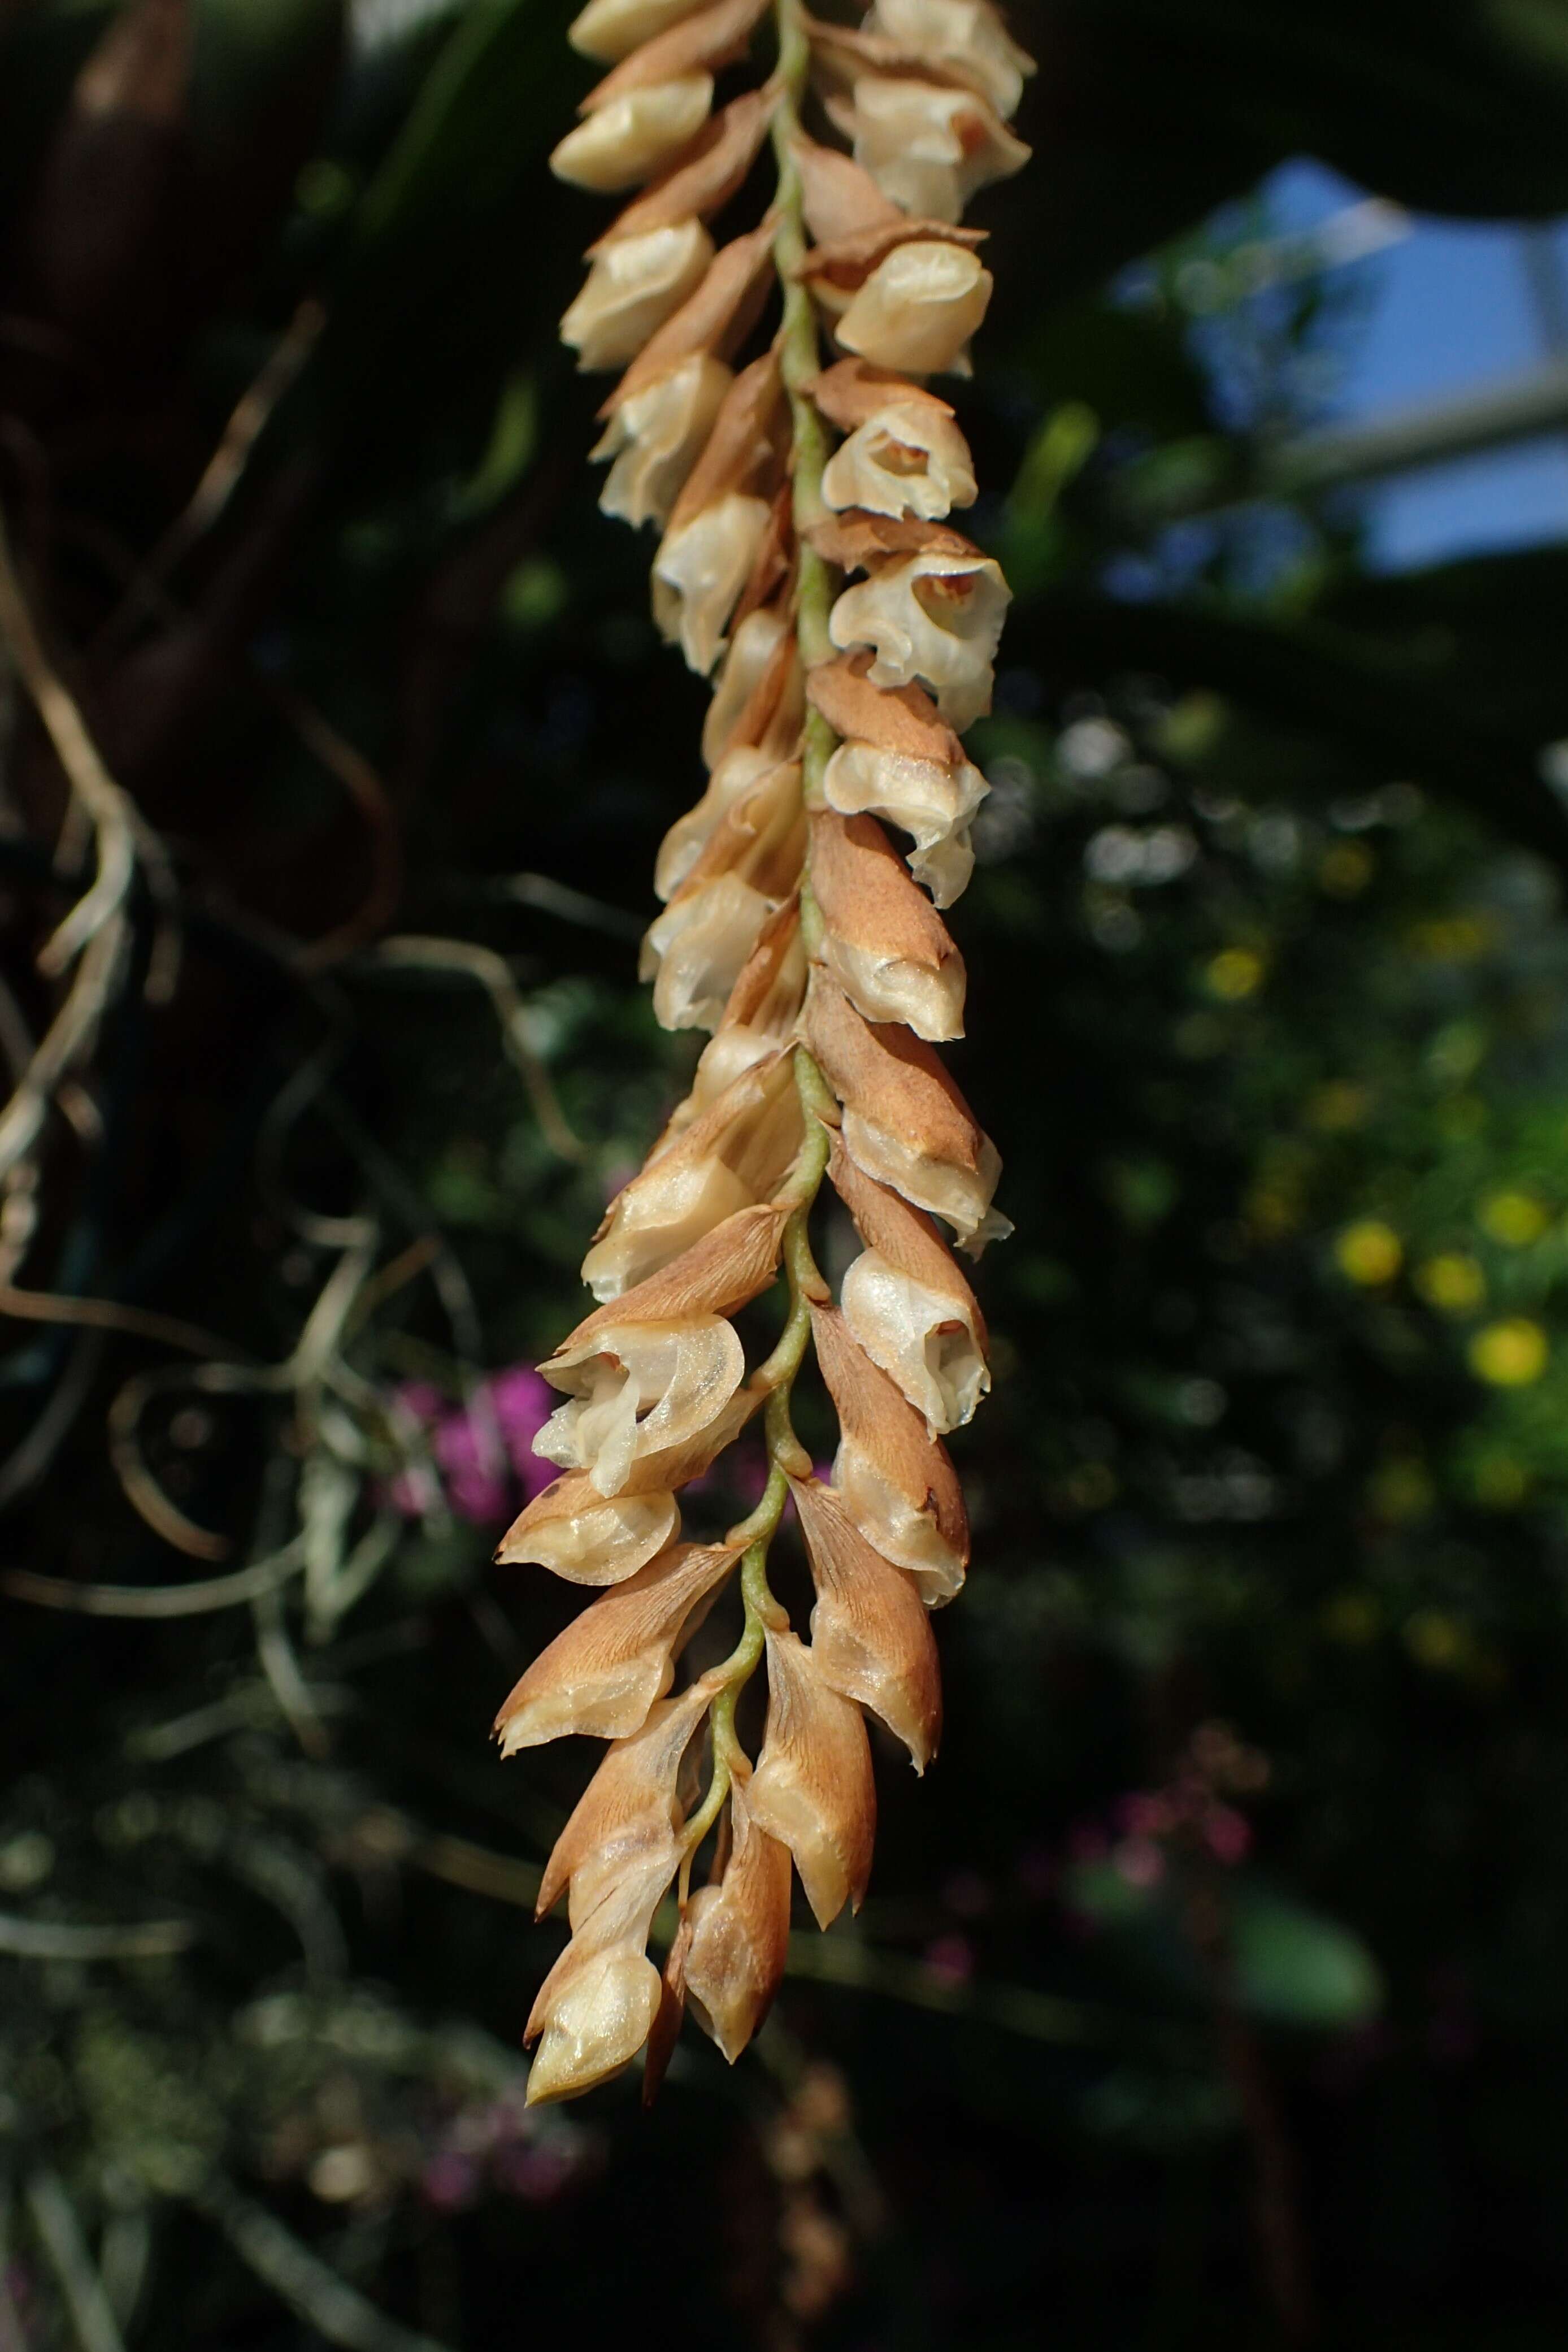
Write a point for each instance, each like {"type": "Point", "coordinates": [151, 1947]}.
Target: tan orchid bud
{"type": "Point", "coordinates": [934, 618]}
{"type": "Point", "coordinates": [760, 834]}
{"type": "Point", "coordinates": [634, 136]}
{"type": "Point", "coordinates": [740, 1932]}
{"type": "Point", "coordinates": [636, 1390]}
{"type": "Point", "coordinates": [611, 30]}
{"type": "Point", "coordinates": [577, 1533]}
{"type": "Point", "coordinates": [734, 779]}
{"type": "Point", "coordinates": [733, 1156]}
{"type": "Point", "coordinates": [699, 573]}
{"type": "Point", "coordinates": [773, 564]}
{"type": "Point", "coordinates": [908, 458]}
{"type": "Point", "coordinates": [838, 197]}
{"type": "Point", "coordinates": [763, 1011]}
{"type": "Point", "coordinates": [901, 1488]}
{"type": "Point", "coordinates": [656, 436]}
{"type": "Point", "coordinates": [632, 287]}
{"type": "Point", "coordinates": [702, 42]}
{"type": "Point", "coordinates": [696, 950]}
{"type": "Point", "coordinates": [870, 1638]}
{"type": "Point", "coordinates": [883, 941]}
{"type": "Point", "coordinates": [744, 449]}
{"type": "Point", "coordinates": [928, 148]}
{"type": "Point", "coordinates": [622, 1842]}
{"type": "Point", "coordinates": [905, 1303]}
{"type": "Point", "coordinates": [616, 1856]}
{"type": "Point", "coordinates": [602, 1675]}
{"type": "Point", "coordinates": [720, 520]}
{"type": "Point", "coordinates": [716, 317]}
{"type": "Point", "coordinates": [813, 1789]}
{"type": "Point", "coordinates": [905, 1120]}
{"type": "Point", "coordinates": [918, 309]}
{"type": "Point", "coordinates": [931, 801]}
{"type": "Point", "coordinates": [966, 37]}
{"type": "Point", "coordinates": [751, 680]}
{"type": "Point", "coordinates": [701, 180]}
{"type": "Point", "coordinates": [594, 2012]}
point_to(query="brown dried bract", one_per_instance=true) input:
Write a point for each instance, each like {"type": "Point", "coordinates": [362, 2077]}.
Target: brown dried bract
{"type": "Point", "coordinates": [867, 896]}
{"type": "Point", "coordinates": [702, 179]}
{"type": "Point", "coordinates": [848, 261]}
{"type": "Point", "coordinates": [856, 541]}
{"type": "Point", "coordinates": [717, 317]}
{"type": "Point", "coordinates": [775, 559]}
{"type": "Point", "coordinates": [852, 390]}
{"type": "Point", "coordinates": [843, 55]}
{"type": "Point", "coordinates": [714, 37]}
{"type": "Point", "coordinates": [890, 1078]}
{"type": "Point", "coordinates": [837, 197]}
{"type": "Point", "coordinates": [718, 1276]}
{"type": "Point", "coordinates": [905, 1235]}
{"type": "Point", "coordinates": [902, 718]}
{"type": "Point", "coordinates": [874, 1415]}
{"type": "Point", "coordinates": [743, 445]}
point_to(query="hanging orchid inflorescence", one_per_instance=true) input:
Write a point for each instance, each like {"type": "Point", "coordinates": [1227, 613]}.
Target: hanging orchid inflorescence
{"type": "Point", "coordinates": [806, 563]}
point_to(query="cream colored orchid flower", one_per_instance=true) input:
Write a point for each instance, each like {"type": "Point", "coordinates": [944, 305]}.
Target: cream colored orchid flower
{"type": "Point", "coordinates": [908, 458]}
{"type": "Point", "coordinates": [632, 287]}
{"type": "Point", "coordinates": [634, 136]}
{"type": "Point", "coordinates": [918, 308]}
{"type": "Point", "coordinates": [931, 616]}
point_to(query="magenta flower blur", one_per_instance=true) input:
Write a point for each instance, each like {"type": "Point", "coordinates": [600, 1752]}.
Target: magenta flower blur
{"type": "Point", "coordinates": [481, 1450]}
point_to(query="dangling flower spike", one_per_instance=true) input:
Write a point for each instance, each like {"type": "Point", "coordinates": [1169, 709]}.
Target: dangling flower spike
{"type": "Point", "coordinates": [802, 477]}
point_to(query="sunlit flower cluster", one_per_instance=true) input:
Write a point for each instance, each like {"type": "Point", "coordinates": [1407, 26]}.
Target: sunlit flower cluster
{"type": "Point", "coordinates": [806, 564]}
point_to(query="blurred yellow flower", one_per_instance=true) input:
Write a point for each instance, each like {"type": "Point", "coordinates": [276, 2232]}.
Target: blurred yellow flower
{"type": "Point", "coordinates": [1516, 1218]}
{"type": "Point", "coordinates": [1501, 1482]}
{"type": "Point", "coordinates": [1352, 1618]}
{"type": "Point", "coordinates": [1435, 1640]}
{"type": "Point", "coordinates": [1369, 1252]}
{"type": "Point", "coordinates": [1338, 1105]}
{"type": "Point", "coordinates": [1452, 939]}
{"type": "Point", "coordinates": [1451, 1281]}
{"type": "Point", "coordinates": [1346, 869]}
{"type": "Point", "coordinates": [1401, 1490]}
{"type": "Point", "coordinates": [1233, 973]}
{"type": "Point", "coordinates": [1510, 1355]}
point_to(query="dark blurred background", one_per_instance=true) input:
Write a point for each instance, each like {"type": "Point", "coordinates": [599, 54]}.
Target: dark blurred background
{"type": "Point", "coordinates": [1211, 1989]}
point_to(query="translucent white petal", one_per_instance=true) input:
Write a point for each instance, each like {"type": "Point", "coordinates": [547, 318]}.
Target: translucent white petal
{"type": "Point", "coordinates": [928, 148]}
{"type": "Point", "coordinates": [896, 1526]}
{"type": "Point", "coordinates": [918, 309]}
{"type": "Point", "coordinates": [932, 618]}
{"type": "Point", "coordinates": [747, 662]}
{"type": "Point", "coordinates": [656, 436]}
{"type": "Point", "coordinates": [695, 950]}
{"type": "Point", "coordinates": [632, 287]}
{"type": "Point", "coordinates": [611, 30]}
{"type": "Point", "coordinates": [636, 1389]}
{"type": "Point", "coordinates": [966, 36]}
{"type": "Point", "coordinates": [700, 571]}
{"type": "Point", "coordinates": [689, 835]}
{"type": "Point", "coordinates": [934, 804]}
{"type": "Point", "coordinates": [634, 135]}
{"type": "Point", "coordinates": [923, 1339]}
{"type": "Point", "coordinates": [602, 2016]}
{"type": "Point", "coordinates": [905, 460]}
